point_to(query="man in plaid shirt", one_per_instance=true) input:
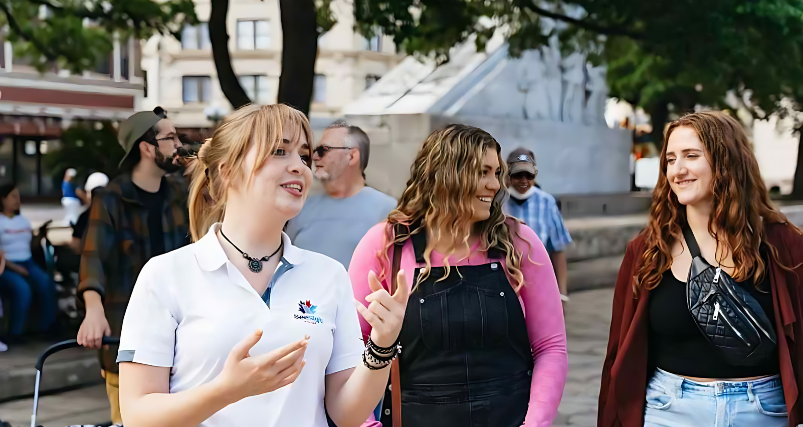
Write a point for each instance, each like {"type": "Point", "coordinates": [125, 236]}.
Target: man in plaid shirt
{"type": "Point", "coordinates": [538, 209]}
{"type": "Point", "coordinates": [141, 214]}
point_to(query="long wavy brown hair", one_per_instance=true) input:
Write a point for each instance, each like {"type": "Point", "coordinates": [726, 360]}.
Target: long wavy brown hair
{"type": "Point", "coordinates": [444, 180]}
{"type": "Point", "coordinates": [741, 204]}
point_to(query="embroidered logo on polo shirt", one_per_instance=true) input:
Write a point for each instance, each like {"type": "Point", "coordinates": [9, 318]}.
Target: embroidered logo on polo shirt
{"type": "Point", "coordinates": [308, 312]}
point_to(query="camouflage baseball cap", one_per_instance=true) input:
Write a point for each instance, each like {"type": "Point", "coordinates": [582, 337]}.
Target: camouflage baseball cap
{"type": "Point", "coordinates": [521, 160]}
{"type": "Point", "coordinates": [133, 128]}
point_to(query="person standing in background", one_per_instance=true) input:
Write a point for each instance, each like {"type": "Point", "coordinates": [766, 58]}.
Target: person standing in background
{"type": "Point", "coordinates": [539, 210]}
{"type": "Point", "coordinates": [72, 198]}
{"type": "Point", "coordinates": [97, 180]}
{"type": "Point", "coordinates": [141, 214]}
{"type": "Point", "coordinates": [333, 223]}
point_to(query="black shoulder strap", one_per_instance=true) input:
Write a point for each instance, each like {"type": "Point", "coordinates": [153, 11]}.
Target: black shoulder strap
{"type": "Point", "coordinates": [691, 242]}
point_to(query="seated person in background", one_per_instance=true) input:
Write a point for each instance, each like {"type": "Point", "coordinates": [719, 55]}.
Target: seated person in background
{"type": "Point", "coordinates": [22, 278]}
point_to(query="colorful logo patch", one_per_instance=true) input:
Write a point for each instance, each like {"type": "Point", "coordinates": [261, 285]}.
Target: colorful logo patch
{"type": "Point", "coordinates": [306, 307]}
{"type": "Point", "coordinates": [308, 313]}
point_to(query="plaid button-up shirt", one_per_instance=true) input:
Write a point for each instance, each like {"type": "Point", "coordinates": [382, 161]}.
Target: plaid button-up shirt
{"type": "Point", "coordinates": [118, 245]}
{"type": "Point", "coordinates": [540, 212]}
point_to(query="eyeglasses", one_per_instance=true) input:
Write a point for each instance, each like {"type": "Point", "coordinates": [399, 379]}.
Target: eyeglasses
{"type": "Point", "coordinates": [321, 150]}
{"type": "Point", "coordinates": [523, 175]}
{"type": "Point", "coordinates": [168, 138]}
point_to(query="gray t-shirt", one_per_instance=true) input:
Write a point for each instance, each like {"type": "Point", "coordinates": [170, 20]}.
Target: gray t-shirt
{"type": "Point", "coordinates": [334, 227]}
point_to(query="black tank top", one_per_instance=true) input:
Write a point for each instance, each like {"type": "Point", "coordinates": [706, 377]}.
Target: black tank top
{"type": "Point", "coordinates": [676, 345]}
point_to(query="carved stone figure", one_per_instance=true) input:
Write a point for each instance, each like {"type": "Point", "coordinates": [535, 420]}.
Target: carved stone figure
{"type": "Point", "coordinates": [595, 108]}
{"type": "Point", "coordinates": [574, 85]}
{"type": "Point", "coordinates": [533, 83]}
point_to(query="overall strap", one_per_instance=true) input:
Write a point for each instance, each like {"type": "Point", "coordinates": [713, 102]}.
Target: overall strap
{"type": "Point", "coordinates": [395, 379]}
{"type": "Point", "coordinates": [691, 242]}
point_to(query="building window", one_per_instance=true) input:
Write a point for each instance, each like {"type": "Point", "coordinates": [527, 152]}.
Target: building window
{"type": "Point", "coordinates": [256, 87]}
{"type": "Point", "coordinates": [375, 43]}
{"type": "Point", "coordinates": [197, 89]}
{"type": "Point", "coordinates": [125, 57]}
{"type": "Point", "coordinates": [370, 80]}
{"type": "Point", "coordinates": [319, 89]}
{"type": "Point", "coordinates": [253, 35]}
{"type": "Point", "coordinates": [104, 65]}
{"type": "Point", "coordinates": [195, 37]}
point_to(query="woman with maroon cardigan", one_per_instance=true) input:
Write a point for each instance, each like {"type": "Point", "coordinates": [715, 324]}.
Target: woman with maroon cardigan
{"type": "Point", "coordinates": [661, 369]}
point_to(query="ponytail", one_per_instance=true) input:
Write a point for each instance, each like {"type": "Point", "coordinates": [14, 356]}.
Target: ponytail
{"type": "Point", "coordinates": [204, 211]}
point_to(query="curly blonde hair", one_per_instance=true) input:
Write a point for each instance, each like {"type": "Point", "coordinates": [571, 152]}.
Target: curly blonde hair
{"type": "Point", "coordinates": [443, 183]}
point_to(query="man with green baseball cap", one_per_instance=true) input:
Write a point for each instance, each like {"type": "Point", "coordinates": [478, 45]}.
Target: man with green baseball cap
{"type": "Point", "coordinates": [142, 213]}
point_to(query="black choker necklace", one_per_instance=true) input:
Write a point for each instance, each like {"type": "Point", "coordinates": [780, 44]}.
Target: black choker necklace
{"type": "Point", "coordinates": [254, 264]}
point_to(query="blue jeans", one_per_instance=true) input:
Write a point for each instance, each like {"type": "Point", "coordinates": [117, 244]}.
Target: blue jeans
{"type": "Point", "coordinates": [20, 291]}
{"type": "Point", "coordinates": [673, 401]}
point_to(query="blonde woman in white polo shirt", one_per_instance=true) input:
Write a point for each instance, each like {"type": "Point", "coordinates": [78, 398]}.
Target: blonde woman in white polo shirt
{"type": "Point", "coordinates": [193, 351]}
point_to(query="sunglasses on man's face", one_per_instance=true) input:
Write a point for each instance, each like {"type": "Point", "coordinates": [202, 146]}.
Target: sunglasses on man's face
{"type": "Point", "coordinates": [321, 150]}
{"type": "Point", "coordinates": [523, 175]}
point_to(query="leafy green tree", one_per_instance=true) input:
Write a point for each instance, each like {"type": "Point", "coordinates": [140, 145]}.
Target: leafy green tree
{"type": "Point", "coordinates": [87, 147]}
{"type": "Point", "coordinates": [76, 34]}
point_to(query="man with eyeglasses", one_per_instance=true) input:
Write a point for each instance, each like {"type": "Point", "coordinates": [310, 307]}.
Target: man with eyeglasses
{"type": "Point", "coordinates": [538, 210]}
{"type": "Point", "coordinates": [333, 223]}
{"type": "Point", "coordinates": [140, 214]}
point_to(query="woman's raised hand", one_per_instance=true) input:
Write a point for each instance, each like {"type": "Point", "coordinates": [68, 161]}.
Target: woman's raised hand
{"type": "Point", "coordinates": [385, 313]}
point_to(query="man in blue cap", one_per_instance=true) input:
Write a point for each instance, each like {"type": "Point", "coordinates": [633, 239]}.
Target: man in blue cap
{"type": "Point", "coordinates": [141, 214]}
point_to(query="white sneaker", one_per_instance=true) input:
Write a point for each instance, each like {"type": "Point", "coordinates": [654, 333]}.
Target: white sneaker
{"type": "Point", "coordinates": [3, 347]}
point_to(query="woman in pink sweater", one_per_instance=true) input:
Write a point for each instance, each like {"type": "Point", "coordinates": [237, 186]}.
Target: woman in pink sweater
{"type": "Point", "coordinates": [483, 338]}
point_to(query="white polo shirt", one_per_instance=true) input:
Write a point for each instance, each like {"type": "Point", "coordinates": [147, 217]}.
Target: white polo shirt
{"type": "Point", "coordinates": [191, 306]}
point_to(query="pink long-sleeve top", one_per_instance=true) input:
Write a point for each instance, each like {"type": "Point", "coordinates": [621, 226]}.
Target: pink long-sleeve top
{"type": "Point", "coordinates": [539, 297]}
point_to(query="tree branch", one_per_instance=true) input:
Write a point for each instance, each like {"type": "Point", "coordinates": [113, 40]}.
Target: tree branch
{"type": "Point", "coordinates": [590, 26]}
{"type": "Point", "coordinates": [219, 38]}
{"type": "Point", "coordinates": [80, 13]}
{"type": "Point", "coordinates": [15, 26]}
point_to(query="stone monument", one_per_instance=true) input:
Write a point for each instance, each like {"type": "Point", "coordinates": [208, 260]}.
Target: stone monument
{"type": "Point", "coordinates": [550, 104]}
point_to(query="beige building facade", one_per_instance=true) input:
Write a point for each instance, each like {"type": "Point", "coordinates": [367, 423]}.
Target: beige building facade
{"type": "Point", "coordinates": [181, 77]}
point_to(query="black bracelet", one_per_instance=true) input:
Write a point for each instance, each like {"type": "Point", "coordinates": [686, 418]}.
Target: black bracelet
{"type": "Point", "coordinates": [370, 366]}
{"type": "Point", "coordinates": [382, 360]}
{"type": "Point", "coordinates": [382, 350]}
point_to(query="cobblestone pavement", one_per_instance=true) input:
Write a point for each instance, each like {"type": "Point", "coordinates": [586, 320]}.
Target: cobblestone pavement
{"type": "Point", "coordinates": [77, 407]}
{"type": "Point", "coordinates": [588, 317]}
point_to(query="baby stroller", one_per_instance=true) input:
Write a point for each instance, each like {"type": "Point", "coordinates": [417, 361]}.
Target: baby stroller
{"type": "Point", "coordinates": [40, 363]}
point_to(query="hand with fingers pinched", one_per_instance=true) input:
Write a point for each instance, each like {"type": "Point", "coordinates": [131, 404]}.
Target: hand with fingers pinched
{"type": "Point", "coordinates": [385, 312]}
{"type": "Point", "coordinates": [244, 376]}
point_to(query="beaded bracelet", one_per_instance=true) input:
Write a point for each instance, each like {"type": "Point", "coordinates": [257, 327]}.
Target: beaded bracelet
{"type": "Point", "coordinates": [379, 361]}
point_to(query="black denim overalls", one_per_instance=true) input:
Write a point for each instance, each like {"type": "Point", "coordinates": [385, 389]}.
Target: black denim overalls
{"type": "Point", "coordinates": [466, 358]}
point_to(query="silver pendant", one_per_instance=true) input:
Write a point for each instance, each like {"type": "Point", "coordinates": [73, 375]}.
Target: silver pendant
{"type": "Point", "coordinates": [255, 265]}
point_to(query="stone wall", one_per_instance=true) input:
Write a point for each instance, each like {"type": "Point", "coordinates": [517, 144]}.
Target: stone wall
{"type": "Point", "coordinates": [572, 158]}
{"type": "Point", "coordinates": [601, 237]}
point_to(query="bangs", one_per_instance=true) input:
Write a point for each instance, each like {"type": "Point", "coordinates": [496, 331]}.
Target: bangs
{"type": "Point", "coordinates": [269, 130]}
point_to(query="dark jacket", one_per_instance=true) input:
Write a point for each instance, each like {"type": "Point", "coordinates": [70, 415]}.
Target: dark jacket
{"type": "Point", "coordinates": [625, 372]}
{"type": "Point", "coordinates": [118, 246]}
